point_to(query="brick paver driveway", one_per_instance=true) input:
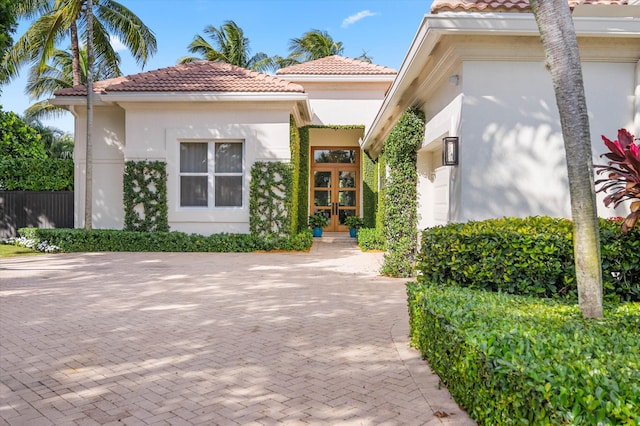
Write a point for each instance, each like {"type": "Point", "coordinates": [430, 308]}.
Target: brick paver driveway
{"type": "Point", "coordinates": [168, 338]}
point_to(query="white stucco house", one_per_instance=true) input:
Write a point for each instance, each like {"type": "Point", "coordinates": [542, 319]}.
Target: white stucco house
{"type": "Point", "coordinates": [476, 68]}
{"type": "Point", "coordinates": [211, 121]}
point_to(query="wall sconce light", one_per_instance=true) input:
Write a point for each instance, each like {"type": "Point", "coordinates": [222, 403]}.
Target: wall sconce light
{"type": "Point", "coordinates": [450, 150]}
{"type": "Point", "coordinates": [454, 80]}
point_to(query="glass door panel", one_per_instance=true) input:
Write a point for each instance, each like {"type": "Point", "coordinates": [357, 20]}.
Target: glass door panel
{"type": "Point", "coordinates": [322, 179]}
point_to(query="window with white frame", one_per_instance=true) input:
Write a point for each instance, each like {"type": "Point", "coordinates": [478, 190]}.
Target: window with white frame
{"type": "Point", "coordinates": [211, 174]}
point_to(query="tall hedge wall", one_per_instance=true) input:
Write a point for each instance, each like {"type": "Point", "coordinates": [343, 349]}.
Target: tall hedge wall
{"type": "Point", "coordinates": [35, 174]}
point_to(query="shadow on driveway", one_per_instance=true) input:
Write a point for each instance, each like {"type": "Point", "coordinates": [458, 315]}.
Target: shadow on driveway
{"type": "Point", "coordinates": [203, 338]}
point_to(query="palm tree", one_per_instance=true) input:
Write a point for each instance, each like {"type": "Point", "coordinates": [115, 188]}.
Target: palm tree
{"type": "Point", "coordinates": [57, 143]}
{"type": "Point", "coordinates": [229, 45]}
{"type": "Point", "coordinates": [314, 44]}
{"type": "Point", "coordinates": [563, 61]}
{"type": "Point", "coordinates": [60, 18]}
{"type": "Point", "coordinates": [58, 74]}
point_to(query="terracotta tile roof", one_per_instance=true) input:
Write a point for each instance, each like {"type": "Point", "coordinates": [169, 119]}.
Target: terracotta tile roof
{"type": "Point", "coordinates": [336, 65]}
{"type": "Point", "coordinates": [502, 5]}
{"type": "Point", "coordinates": [193, 77]}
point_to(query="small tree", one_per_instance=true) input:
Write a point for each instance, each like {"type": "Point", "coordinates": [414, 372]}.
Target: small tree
{"type": "Point", "coordinates": [563, 61]}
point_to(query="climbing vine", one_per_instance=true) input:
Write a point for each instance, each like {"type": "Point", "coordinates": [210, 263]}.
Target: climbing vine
{"type": "Point", "coordinates": [145, 196]}
{"type": "Point", "coordinates": [270, 199]}
{"type": "Point", "coordinates": [294, 146]}
{"type": "Point", "coordinates": [382, 183]}
{"type": "Point", "coordinates": [303, 183]}
{"type": "Point", "coordinates": [400, 221]}
{"type": "Point", "coordinates": [369, 191]}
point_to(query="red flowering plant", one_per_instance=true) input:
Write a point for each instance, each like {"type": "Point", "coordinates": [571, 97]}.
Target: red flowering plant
{"type": "Point", "coordinates": [623, 175]}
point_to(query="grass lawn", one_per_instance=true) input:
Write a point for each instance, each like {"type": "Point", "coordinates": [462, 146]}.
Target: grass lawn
{"type": "Point", "coordinates": [8, 250]}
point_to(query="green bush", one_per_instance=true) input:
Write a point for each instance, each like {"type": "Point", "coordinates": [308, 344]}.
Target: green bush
{"type": "Point", "coordinates": [371, 239]}
{"type": "Point", "coordinates": [531, 256]}
{"type": "Point", "coordinates": [36, 174]}
{"type": "Point", "coordinates": [80, 240]}
{"type": "Point", "coordinates": [18, 139]}
{"type": "Point", "coordinates": [521, 360]}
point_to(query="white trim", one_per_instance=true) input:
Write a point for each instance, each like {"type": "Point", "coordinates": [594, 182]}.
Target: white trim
{"type": "Point", "coordinates": [350, 78]}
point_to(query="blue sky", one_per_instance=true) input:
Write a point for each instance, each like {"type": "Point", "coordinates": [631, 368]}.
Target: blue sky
{"type": "Point", "coordinates": [383, 29]}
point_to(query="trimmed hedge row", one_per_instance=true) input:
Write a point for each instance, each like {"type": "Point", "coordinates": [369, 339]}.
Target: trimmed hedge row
{"type": "Point", "coordinates": [522, 360]}
{"type": "Point", "coordinates": [80, 240]}
{"type": "Point", "coordinates": [531, 256]}
{"type": "Point", "coordinates": [371, 239]}
{"type": "Point", "coordinates": [35, 174]}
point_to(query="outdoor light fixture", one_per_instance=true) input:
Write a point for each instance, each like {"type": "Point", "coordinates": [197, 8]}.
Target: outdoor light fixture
{"type": "Point", "coordinates": [450, 151]}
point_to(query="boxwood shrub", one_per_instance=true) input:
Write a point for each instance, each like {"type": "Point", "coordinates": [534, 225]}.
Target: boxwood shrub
{"type": "Point", "coordinates": [517, 360]}
{"type": "Point", "coordinates": [80, 240]}
{"type": "Point", "coordinates": [530, 256]}
{"type": "Point", "coordinates": [371, 239]}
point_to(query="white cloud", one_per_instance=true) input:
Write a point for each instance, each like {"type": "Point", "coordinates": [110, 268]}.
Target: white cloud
{"type": "Point", "coordinates": [116, 43]}
{"type": "Point", "coordinates": [355, 18]}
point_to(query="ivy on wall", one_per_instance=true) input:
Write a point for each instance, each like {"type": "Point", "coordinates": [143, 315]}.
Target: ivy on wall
{"type": "Point", "coordinates": [400, 221]}
{"type": "Point", "coordinates": [294, 146]}
{"type": "Point", "coordinates": [382, 178]}
{"type": "Point", "coordinates": [145, 196]}
{"type": "Point", "coordinates": [369, 191]}
{"type": "Point", "coordinates": [270, 199]}
{"type": "Point", "coordinates": [303, 183]}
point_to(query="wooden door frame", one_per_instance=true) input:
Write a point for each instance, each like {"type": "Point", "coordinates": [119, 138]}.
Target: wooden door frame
{"type": "Point", "coordinates": [334, 167]}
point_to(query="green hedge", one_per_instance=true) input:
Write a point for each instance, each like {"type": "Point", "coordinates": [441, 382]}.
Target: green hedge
{"type": "Point", "coordinates": [35, 174]}
{"type": "Point", "coordinates": [80, 240]}
{"type": "Point", "coordinates": [514, 360]}
{"type": "Point", "coordinates": [531, 256]}
{"type": "Point", "coordinates": [371, 239]}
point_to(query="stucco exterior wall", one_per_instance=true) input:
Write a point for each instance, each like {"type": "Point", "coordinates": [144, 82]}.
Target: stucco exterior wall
{"type": "Point", "coordinates": [512, 155]}
{"type": "Point", "coordinates": [154, 132]}
{"type": "Point", "coordinates": [108, 167]}
{"type": "Point", "coordinates": [345, 104]}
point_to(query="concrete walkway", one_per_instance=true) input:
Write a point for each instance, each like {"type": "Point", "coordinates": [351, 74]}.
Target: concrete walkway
{"type": "Point", "coordinates": [215, 339]}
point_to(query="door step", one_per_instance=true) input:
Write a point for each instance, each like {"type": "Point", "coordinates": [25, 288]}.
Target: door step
{"type": "Point", "coordinates": [337, 237]}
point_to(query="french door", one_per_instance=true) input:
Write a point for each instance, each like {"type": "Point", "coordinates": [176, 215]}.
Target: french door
{"type": "Point", "coordinates": [335, 177]}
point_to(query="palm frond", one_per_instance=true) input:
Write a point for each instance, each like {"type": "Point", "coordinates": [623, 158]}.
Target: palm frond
{"type": "Point", "coordinates": [28, 9]}
{"type": "Point", "coordinates": [107, 58]}
{"type": "Point", "coordinates": [188, 59]}
{"type": "Point", "coordinates": [43, 109]}
{"type": "Point", "coordinates": [125, 24]}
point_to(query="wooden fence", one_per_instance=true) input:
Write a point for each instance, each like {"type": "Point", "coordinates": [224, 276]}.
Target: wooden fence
{"type": "Point", "coordinates": [36, 209]}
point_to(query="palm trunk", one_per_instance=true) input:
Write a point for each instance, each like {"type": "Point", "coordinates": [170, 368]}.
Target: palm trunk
{"type": "Point", "coordinates": [75, 54]}
{"type": "Point", "coordinates": [563, 61]}
{"type": "Point", "coordinates": [88, 200]}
